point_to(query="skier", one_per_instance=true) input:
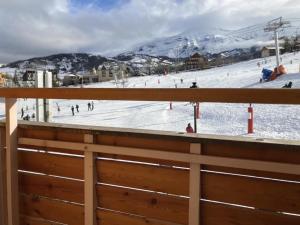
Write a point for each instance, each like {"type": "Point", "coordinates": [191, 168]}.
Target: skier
{"type": "Point", "coordinates": [181, 80]}
{"type": "Point", "coordinates": [189, 128]}
{"type": "Point", "coordinates": [72, 109]}
{"type": "Point", "coordinates": [22, 112]}
{"type": "Point", "coordinates": [89, 106]}
{"type": "Point", "coordinates": [92, 107]}
{"type": "Point", "coordinates": [77, 108]}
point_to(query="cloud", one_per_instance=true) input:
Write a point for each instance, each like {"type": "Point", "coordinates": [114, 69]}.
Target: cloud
{"type": "Point", "coordinates": [36, 28]}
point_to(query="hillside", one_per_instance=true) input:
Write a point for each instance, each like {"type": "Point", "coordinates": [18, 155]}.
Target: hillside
{"type": "Point", "coordinates": [270, 121]}
{"type": "Point", "coordinates": [62, 62]}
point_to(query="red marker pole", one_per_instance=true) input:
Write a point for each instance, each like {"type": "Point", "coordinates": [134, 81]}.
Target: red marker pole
{"type": "Point", "coordinates": [250, 119]}
{"type": "Point", "coordinates": [198, 110]}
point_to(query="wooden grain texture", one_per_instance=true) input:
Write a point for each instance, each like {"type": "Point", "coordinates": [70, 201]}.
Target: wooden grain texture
{"type": "Point", "coordinates": [52, 187]}
{"type": "Point", "coordinates": [3, 185]}
{"type": "Point", "coordinates": [147, 204]}
{"type": "Point", "coordinates": [287, 168]}
{"type": "Point", "coordinates": [195, 187]}
{"type": "Point", "coordinates": [142, 176]}
{"type": "Point", "coordinates": [217, 214]}
{"type": "Point", "coordinates": [72, 214]}
{"type": "Point", "coordinates": [26, 220]}
{"type": "Point", "coordinates": [256, 151]}
{"type": "Point", "coordinates": [90, 181]}
{"type": "Point", "coordinates": [107, 217]}
{"type": "Point", "coordinates": [142, 203]}
{"type": "Point", "coordinates": [232, 95]}
{"type": "Point", "coordinates": [59, 165]}
{"type": "Point", "coordinates": [12, 162]}
{"type": "Point", "coordinates": [155, 178]}
{"type": "Point", "coordinates": [259, 193]}
{"type": "Point", "coordinates": [142, 142]}
{"type": "Point", "coordinates": [52, 134]}
{"type": "Point", "coordinates": [52, 210]}
{"type": "Point", "coordinates": [256, 173]}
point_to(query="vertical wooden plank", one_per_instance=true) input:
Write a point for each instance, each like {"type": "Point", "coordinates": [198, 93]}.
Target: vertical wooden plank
{"type": "Point", "coordinates": [90, 180]}
{"type": "Point", "coordinates": [195, 179]}
{"type": "Point", "coordinates": [3, 210]}
{"type": "Point", "coordinates": [12, 162]}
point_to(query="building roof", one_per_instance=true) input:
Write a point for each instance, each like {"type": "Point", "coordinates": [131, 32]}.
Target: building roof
{"type": "Point", "coordinates": [271, 48]}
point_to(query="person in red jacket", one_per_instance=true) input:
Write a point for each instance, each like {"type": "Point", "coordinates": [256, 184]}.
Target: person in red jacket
{"type": "Point", "coordinates": [189, 128]}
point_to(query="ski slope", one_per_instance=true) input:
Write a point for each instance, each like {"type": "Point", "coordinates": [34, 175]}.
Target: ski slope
{"type": "Point", "coordinates": [270, 121]}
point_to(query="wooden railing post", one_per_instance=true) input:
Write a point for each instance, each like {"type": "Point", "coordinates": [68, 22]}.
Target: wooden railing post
{"type": "Point", "coordinates": [195, 179]}
{"type": "Point", "coordinates": [90, 181]}
{"type": "Point", "coordinates": [12, 162]}
{"type": "Point", "coordinates": [3, 210]}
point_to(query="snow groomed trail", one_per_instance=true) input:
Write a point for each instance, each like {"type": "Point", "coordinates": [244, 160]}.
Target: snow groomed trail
{"type": "Point", "coordinates": [270, 121]}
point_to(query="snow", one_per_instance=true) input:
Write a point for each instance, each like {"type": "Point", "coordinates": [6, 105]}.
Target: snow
{"type": "Point", "coordinates": [216, 41]}
{"type": "Point", "coordinates": [270, 121]}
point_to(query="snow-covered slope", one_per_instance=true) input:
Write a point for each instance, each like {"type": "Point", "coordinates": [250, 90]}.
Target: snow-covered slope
{"type": "Point", "coordinates": [272, 121]}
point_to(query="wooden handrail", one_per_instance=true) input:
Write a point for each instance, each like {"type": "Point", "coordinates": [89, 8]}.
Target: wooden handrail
{"type": "Point", "coordinates": [173, 156]}
{"type": "Point", "coordinates": [222, 95]}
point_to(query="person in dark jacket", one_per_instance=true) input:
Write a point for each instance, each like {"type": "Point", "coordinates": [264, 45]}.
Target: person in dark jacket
{"type": "Point", "coordinates": [72, 109]}
{"type": "Point", "coordinates": [22, 112]}
{"type": "Point", "coordinates": [77, 108]}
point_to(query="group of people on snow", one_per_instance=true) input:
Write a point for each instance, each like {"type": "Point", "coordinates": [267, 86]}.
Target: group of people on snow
{"type": "Point", "coordinates": [90, 106]}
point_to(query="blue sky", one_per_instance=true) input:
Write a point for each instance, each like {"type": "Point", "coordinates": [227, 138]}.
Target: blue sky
{"type": "Point", "coordinates": [102, 4]}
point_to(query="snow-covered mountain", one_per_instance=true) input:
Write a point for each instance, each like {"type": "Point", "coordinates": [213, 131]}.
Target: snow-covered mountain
{"type": "Point", "coordinates": [216, 41]}
{"type": "Point", "coordinates": [238, 45]}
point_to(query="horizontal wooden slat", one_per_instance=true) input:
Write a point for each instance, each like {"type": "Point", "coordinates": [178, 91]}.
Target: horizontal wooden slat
{"type": "Point", "coordinates": [217, 214]}
{"type": "Point", "coordinates": [107, 217]}
{"type": "Point", "coordinates": [153, 205]}
{"type": "Point", "coordinates": [280, 176]}
{"type": "Point", "coordinates": [59, 165]}
{"type": "Point", "coordinates": [161, 179]}
{"type": "Point", "coordinates": [71, 214]}
{"type": "Point", "coordinates": [259, 193]}
{"type": "Point", "coordinates": [53, 187]}
{"type": "Point", "coordinates": [139, 142]}
{"type": "Point", "coordinates": [233, 95]}
{"type": "Point", "coordinates": [147, 204]}
{"type": "Point", "coordinates": [47, 209]}
{"type": "Point", "coordinates": [181, 157]}
{"type": "Point", "coordinates": [149, 143]}
{"type": "Point", "coordinates": [155, 178]}
{"type": "Point", "coordinates": [255, 151]}
{"type": "Point", "coordinates": [26, 220]}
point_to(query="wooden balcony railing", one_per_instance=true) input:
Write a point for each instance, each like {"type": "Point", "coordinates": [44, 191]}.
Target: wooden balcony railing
{"type": "Point", "coordinates": [66, 174]}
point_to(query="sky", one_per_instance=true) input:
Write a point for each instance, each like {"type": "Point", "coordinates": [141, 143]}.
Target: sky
{"type": "Point", "coordinates": [32, 28]}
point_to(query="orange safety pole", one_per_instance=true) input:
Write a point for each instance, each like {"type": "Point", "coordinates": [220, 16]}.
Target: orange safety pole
{"type": "Point", "coordinates": [198, 110]}
{"type": "Point", "coordinates": [250, 119]}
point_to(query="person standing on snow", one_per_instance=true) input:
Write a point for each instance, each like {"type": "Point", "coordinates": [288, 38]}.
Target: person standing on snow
{"type": "Point", "coordinates": [77, 108]}
{"type": "Point", "coordinates": [89, 106]}
{"type": "Point", "coordinates": [92, 107]}
{"type": "Point", "coordinates": [189, 128]}
{"type": "Point", "coordinates": [72, 109]}
{"type": "Point", "coordinates": [22, 112]}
